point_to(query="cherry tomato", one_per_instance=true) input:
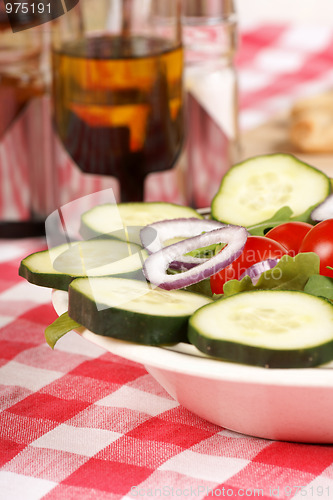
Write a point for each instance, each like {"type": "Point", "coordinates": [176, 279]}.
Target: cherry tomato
{"type": "Point", "coordinates": [256, 249]}
{"type": "Point", "coordinates": [320, 241]}
{"type": "Point", "coordinates": [290, 235]}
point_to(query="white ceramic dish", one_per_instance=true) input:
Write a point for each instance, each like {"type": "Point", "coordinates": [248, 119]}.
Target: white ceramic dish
{"type": "Point", "coordinates": [277, 404]}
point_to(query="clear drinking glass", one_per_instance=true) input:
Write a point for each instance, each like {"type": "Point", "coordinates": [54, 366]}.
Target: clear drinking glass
{"type": "Point", "coordinates": [210, 44]}
{"type": "Point", "coordinates": [26, 177]}
{"type": "Point", "coordinates": [118, 90]}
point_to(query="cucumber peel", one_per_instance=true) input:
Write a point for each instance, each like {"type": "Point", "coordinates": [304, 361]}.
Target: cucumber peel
{"type": "Point", "coordinates": [131, 310]}
{"type": "Point", "coordinates": [268, 328]}
{"type": "Point", "coordinates": [58, 266]}
{"type": "Point", "coordinates": [124, 220]}
{"type": "Point", "coordinates": [254, 190]}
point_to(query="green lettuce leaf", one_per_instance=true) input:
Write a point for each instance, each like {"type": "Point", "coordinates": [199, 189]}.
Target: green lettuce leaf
{"type": "Point", "coordinates": [305, 216]}
{"type": "Point", "coordinates": [62, 325]}
{"type": "Point", "coordinates": [206, 252]}
{"type": "Point", "coordinates": [202, 288]}
{"type": "Point", "coordinates": [283, 215]}
{"type": "Point", "coordinates": [291, 273]}
{"type": "Point", "coordinates": [321, 286]}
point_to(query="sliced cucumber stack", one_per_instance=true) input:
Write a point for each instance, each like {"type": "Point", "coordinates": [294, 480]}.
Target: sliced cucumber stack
{"type": "Point", "coordinates": [124, 221]}
{"type": "Point", "coordinates": [275, 329]}
{"type": "Point", "coordinates": [57, 267]}
{"type": "Point", "coordinates": [131, 310]}
{"type": "Point", "coordinates": [254, 190]}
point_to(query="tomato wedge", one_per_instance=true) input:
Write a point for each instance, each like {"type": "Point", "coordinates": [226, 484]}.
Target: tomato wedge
{"type": "Point", "coordinates": [290, 235]}
{"type": "Point", "coordinates": [320, 241]}
{"type": "Point", "coordinates": [257, 248]}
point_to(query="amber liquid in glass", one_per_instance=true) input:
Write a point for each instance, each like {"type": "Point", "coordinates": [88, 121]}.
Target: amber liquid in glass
{"type": "Point", "coordinates": [119, 106]}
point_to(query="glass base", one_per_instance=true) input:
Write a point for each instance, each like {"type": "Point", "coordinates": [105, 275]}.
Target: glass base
{"type": "Point", "coordinates": [22, 229]}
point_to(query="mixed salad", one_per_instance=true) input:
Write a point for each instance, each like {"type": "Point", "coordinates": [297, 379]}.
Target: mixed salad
{"type": "Point", "coordinates": [252, 283]}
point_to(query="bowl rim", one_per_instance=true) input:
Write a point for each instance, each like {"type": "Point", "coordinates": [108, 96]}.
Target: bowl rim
{"type": "Point", "coordinates": [185, 359]}
{"type": "Point", "coordinates": [177, 360]}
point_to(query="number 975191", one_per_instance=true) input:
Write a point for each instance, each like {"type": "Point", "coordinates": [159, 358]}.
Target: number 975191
{"type": "Point", "coordinates": [28, 8]}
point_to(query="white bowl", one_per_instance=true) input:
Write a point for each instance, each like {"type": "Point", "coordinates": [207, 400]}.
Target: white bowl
{"type": "Point", "coordinates": [278, 404]}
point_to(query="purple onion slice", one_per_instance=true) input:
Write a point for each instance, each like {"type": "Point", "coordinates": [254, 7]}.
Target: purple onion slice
{"type": "Point", "coordinates": [156, 265]}
{"type": "Point", "coordinates": [257, 269]}
{"type": "Point", "coordinates": [324, 210]}
{"type": "Point", "coordinates": [155, 235]}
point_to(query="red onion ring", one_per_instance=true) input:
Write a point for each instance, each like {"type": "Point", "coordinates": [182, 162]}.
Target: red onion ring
{"type": "Point", "coordinates": [324, 210]}
{"type": "Point", "coordinates": [258, 268]}
{"type": "Point", "coordinates": [156, 265]}
{"type": "Point", "coordinates": [156, 234]}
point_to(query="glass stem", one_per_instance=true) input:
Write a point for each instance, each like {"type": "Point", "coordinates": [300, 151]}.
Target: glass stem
{"type": "Point", "coordinates": [132, 189]}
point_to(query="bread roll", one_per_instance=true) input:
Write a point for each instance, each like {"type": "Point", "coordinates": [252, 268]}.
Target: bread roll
{"type": "Point", "coordinates": [311, 124]}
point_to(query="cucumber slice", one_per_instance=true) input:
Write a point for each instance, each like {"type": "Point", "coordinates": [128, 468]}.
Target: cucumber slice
{"type": "Point", "coordinates": [57, 267]}
{"type": "Point", "coordinates": [276, 329]}
{"type": "Point", "coordinates": [254, 190]}
{"type": "Point", "coordinates": [130, 310]}
{"type": "Point", "coordinates": [124, 220]}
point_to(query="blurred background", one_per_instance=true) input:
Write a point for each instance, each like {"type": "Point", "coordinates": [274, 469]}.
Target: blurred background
{"type": "Point", "coordinates": [303, 11]}
{"type": "Point", "coordinates": [249, 105]}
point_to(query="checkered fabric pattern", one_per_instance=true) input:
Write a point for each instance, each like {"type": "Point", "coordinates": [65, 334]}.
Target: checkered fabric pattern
{"type": "Point", "coordinates": [80, 423]}
{"type": "Point", "coordinates": [278, 64]}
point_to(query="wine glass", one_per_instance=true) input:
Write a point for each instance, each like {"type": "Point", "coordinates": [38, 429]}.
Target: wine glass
{"type": "Point", "coordinates": [117, 88]}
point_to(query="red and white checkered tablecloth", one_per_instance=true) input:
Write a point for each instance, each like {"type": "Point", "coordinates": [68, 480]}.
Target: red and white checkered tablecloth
{"type": "Point", "coordinates": [80, 423]}
{"type": "Point", "coordinates": [279, 64]}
